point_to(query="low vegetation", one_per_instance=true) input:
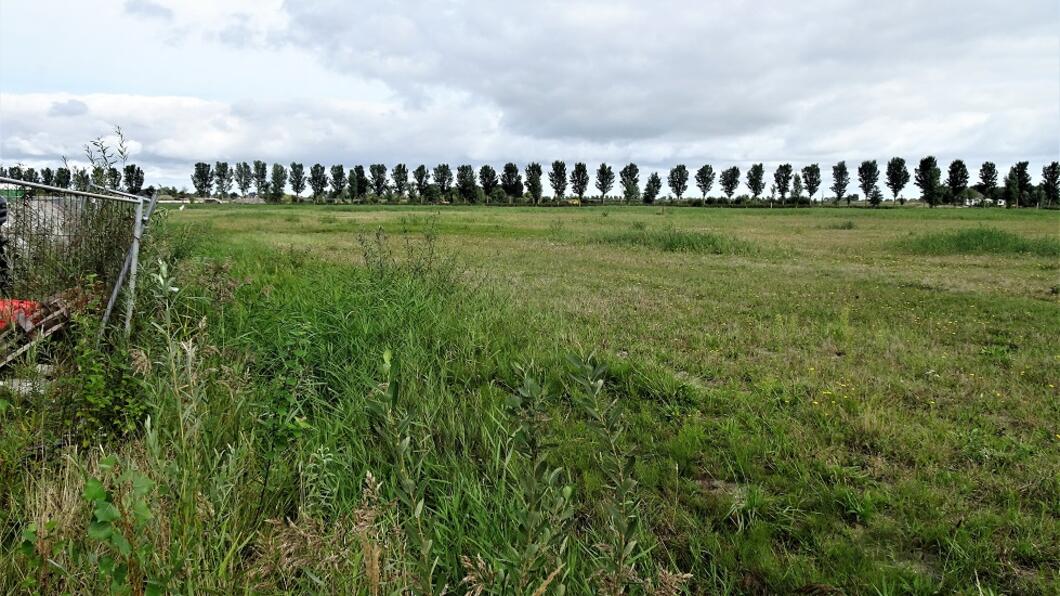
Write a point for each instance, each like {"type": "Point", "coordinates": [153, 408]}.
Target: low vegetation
{"type": "Point", "coordinates": [980, 241]}
{"type": "Point", "coordinates": [357, 399]}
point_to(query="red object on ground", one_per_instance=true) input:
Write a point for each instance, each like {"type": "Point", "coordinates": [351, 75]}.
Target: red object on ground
{"type": "Point", "coordinates": [9, 310]}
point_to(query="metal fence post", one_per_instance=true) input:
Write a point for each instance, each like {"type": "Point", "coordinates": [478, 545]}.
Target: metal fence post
{"type": "Point", "coordinates": [138, 227]}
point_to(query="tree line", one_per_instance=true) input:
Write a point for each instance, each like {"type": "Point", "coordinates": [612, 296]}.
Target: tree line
{"type": "Point", "coordinates": [440, 184]}
{"type": "Point", "coordinates": [129, 178]}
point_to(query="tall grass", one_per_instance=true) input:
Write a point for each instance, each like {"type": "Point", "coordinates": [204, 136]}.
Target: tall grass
{"type": "Point", "coordinates": [980, 241]}
{"type": "Point", "coordinates": [670, 239]}
{"type": "Point", "coordinates": [318, 428]}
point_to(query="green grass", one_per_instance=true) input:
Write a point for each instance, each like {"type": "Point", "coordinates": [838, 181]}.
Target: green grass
{"type": "Point", "coordinates": [979, 241]}
{"type": "Point", "coordinates": [537, 406]}
{"type": "Point", "coordinates": [670, 239]}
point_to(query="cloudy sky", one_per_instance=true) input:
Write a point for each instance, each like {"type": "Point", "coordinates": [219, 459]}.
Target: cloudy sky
{"type": "Point", "coordinates": [658, 82]}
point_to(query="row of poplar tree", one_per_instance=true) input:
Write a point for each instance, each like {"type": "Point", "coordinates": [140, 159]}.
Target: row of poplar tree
{"type": "Point", "coordinates": [129, 178]}
{"type": "Point", "coordinates": [439, 184]}
{"type": "Point", "coordinates": [787, 186]}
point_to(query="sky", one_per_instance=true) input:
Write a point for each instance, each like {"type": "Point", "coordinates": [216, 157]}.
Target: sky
{"type": "Point", "coordinates": [656, 82]}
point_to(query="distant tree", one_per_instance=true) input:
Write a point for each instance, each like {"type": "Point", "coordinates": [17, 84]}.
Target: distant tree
{"type": "Point", "coordinates": [678, 180]}
{"type": "Point", "coordinates": [277, 183]}
{"type": "Point", "coordinates": [868, 176]}
{"type": "Point", "coordinates": [579, 180]}
{"type": "Point", "coordinates": [811, 177]}
{"type": "Point", "coordinates": [487, 178]}
{"type": "Point", "coordinates": [605, 180]}
{"type": "Point", "coordinates": [377, 178]}
{"type": "Point", "coordinates": [652, 188]}
{"type": "Point", "coordinates": [400, 177]}
{"type": "Point", "coordinates": [796, 189]}
{"type": "Point", "coordinates": [202, 179]}
{"type": "Point", "coordinates": [47, 176]}
{"type": "Point", "coordinates": [338, 181]}
{"type": "Point", "coordinates": [465, 183]}
{"type": "Point", "coordinates": [840, 181]}
{"type": "Point", "coordinates": [422, 179]}
{"type": "Point", "coordinates": [134, 179]}
{"type": "Point", "coordinates": [957, 180]}
{"type": "Point", "coordinates": [82, 179]}
{"type": "Point", "coordinates": [99, 175]}
{"type": "Point", "coordinates": [928, 177]}
{"type": "Point", "coordinates": [730, 179]}
{"type": "Point", "coordinates": [512, 181]}
{"type": "Point", "coordinates": [897, 176]}
{"type": "Point", "coordinates": [296, 174]}
{"type": "Point", "coordinates": [318, 181]}
{"type": "Point", "coordinates": [443, 178]}
{"type": "Point", "coordinates": [875, 197]}
{"type": "Point", "coordinates": [705, 179]}
{"type": "Point", "coordinates": [63, 178]}
{"type": "Point", "coordinates": [1023, 183]}
{"type": "Point", "coordinates": [533, 181]}
{"type": "Point", "coordinates": [113, 178]}
{"type": "Point", "coordinates": [361, 188]}
{"type": "Point", "coordinates": [756, 179]}
{"type": "Point", "coordinates": [557, 179]}
{"type": "Point", "coordinates": [222, 176]}
{"type": "Point", "coordinates": [988, 181]}
{"type": "Point", "coordinates": [1051, 182]}
{"type": "Point", "coordinates": [782, 180]}
{"type": "Point", "coordinates": [629, 178]}
{"type": "Point", "coordinates": [243, 178]}
{"type": "Point", "coordinates": [31, 175]}
{"type": "Point", "coordinates": [14, 172]}
{"type": "Point", "coordinates": [261, 179]}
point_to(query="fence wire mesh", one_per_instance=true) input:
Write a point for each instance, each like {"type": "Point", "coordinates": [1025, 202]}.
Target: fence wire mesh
{"type": "Point", "coordinates": [55, 240]}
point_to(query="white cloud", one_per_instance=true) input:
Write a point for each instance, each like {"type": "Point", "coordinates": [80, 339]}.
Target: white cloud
{"type": "Point", "coordinates": [475, 81]}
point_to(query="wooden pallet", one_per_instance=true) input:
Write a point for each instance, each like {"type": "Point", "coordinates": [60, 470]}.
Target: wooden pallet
{"type": "Point", "coordinates": [16, 339]}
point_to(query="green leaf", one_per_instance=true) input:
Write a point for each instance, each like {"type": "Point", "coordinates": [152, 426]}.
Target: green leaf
{"type": "Point", "coordinates": [94, 490]}
{"type": "Point", "coordinates": [108, 463]}
{"type": "Point", "coordinates": [106, 512]}
{"type": "Point", "coordinates": [120, 543]}
{"type": "Point", "coordinates": [100, 530]}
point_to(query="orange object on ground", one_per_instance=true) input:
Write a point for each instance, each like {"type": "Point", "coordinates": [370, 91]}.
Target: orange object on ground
{"type": "Point", "coordinates": [9, 310]}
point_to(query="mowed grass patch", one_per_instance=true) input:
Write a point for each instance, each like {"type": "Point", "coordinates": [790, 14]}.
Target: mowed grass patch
{"type": "Point", "coordinates": [980, 241]}
{"type": "Point", "coordinates": [670, 239]}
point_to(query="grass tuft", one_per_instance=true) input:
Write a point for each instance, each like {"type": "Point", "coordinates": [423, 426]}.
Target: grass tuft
{"type": "Point", "coordinates": [981, 241]}
{"type": "Point", "coordinates": [670, 239]}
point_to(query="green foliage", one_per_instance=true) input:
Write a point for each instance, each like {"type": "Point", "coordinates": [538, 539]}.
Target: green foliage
{"type": "Point", "coordinates": [202, 179]}
{"type": "Point", "coordinates": [756, 179]}
{"type": "Point", "coordinates": [134, 178]}
{"type": "Point", "coordinates": [980, 241]}
{"type": "Point", "coordinates": [705, 179]}
{"type": "Point", "coordinates": [512, 181]}
{"type": "Point", "coordinates": [730, 179]}
{"type": "Point", "coordinates": [296, 173]}
{"type": "Point", "coordinates": [377, 179]}
{"type": "Point", "coordinates": [533, 182]}
{"type": "Point", "coordinates": [868, 176]}
{"type": "Point", "coordinates": [318, 181]}
{"type": "Point", "coordinates": [678, 180]}
{"type": "Point", "coordinates": [605, 180]}
{"type": "Point", "coordinates": [338, 181]}
{"type": "Point", "coordinates": [652, 188]}
{"type": "Point", "coordinates": [400, 176]}
{"type": "Point", "coordinates": [579, 180]}
{"type": "Point", "coordinates": [897, 176]}
{"type": "Point", "coordinates": [1051, 182]}
{"type": "Point", "coordinates": [557, 179]}
{"type": "Point", "coordinates": [443, 178]}
{"type": "Point", "coordinates": [988, 180]}
{"type": "Point", "coordinates": [782, 180]}
{"type": "Point", "coordinates": [277, 183]}
{"type": "Point", "coordinates": [422, 178]}
{"type": "Point", "coordinates": [629, 178]}
{"type": "Point", "coordinates": [243, 177]}
{"type": "Point", "coordinates": [487, 178]}
{"type": "Point", "coordinates": [261, 179]}
{"type": "Point", "coordinates": [669, 239]}
{"type": "Point", "coordinates": [465, 183]}
{"type": "Point", "coordinates": [928, 177]}
{"type": "Point", "coordinates": [840, 181]}
{"type": "Point", "coordinates": [957, 179]}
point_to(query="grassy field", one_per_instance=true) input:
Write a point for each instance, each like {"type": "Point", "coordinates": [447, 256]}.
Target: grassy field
{"type": "Point", "coordinates": [516, 400]}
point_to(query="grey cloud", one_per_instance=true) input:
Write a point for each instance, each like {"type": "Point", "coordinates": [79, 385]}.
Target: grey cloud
{"type": "Point", "coordinates": [148, 9]}
{"type": "Point", "coordinates": [67, 108]}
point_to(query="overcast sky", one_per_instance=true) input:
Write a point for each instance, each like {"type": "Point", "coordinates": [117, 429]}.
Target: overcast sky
{"type": "Point", "coordinates": [657, 82]}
